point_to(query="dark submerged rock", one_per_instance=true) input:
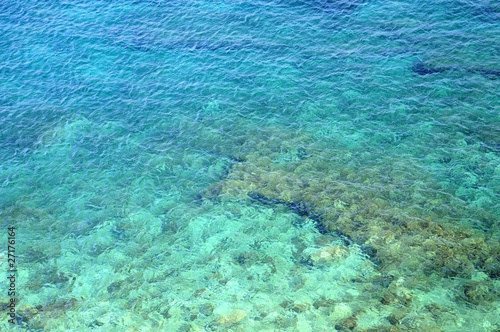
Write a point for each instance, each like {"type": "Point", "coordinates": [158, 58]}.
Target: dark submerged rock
{"type": "Point", "coordinates": [423, 68]}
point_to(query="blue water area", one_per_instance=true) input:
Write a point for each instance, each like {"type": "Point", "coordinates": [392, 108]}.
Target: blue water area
{"type": "Point", "coordinates": [308, 165]}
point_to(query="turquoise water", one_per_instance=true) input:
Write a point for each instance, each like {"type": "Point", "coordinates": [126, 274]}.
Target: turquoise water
{"type": "Point", "coordinates": [277, 165]}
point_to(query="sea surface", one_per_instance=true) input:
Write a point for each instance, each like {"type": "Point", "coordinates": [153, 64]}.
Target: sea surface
{"type": "Point", "coordinates": [266, 165]}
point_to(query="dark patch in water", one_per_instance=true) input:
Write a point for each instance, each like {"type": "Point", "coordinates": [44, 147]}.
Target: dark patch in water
{"type": "Point", "coordinates": [485, 11]}
{"type": "Point", "coordinates": [302, 153]}
{"type": "Point", "coordinates": [371, 252]}
{"type": "Point", "coordinates": [423, 68]}
{"type": "Point", "coordinates": [300, 208]}
{"type": "Point", "coordinates": [346, 239]}
{"type": "Point", "coordinates": [263, 199]}
{"type": "Point", "coordinates": [491, 74]}
{"type": "Point", "coordinates": [488, 14]}
{"type": "Point", "coordinates": [306, 262]}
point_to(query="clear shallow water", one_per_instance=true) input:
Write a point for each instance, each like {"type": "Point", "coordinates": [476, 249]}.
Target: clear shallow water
{"type": "Point", "coordinates": [291, 166]}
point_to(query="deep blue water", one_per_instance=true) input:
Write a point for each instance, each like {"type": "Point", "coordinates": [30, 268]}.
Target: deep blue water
{"type": "Point", "coordinates": [234, 165]}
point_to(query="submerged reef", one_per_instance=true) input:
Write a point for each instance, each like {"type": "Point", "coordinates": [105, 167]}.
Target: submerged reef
{"type": "Point", "coordinates": [399, 216]}
{"type": "Point", "coordinates": [422, 68]}
{"type": "Point", "coordinates": [296, 233]}
{"type": "Point", "coordinates": [425, 68]}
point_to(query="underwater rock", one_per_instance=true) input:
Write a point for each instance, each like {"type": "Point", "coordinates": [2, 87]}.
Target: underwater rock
{"type": "Point", "coordinates": [329, 254]}
{"type": "Point", "coordinates": [423, 68]}
{"type": "Point", "coordinates": [396, 317]}
{"type": "Point", "coordinates": [263, 199]}
{"type": "Point", "coordinates": [370, 205]}
{"type": "Point", "coordinates": [477, 292]}
{"type": "Point", "coordinates": [347, 324]}
{"type": "Point", "coordinates": [491, 74]}
{"type": "Point", "coordinates": [36, 318]}
{"type": "Point", "coordinates": [342, 311]}
{"type": "Point", "coordinates": [206, 309]}
{"type": "Point", "coordinates": [299, 208]}
{"type": "Point", "coordinates": [233, 318]}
